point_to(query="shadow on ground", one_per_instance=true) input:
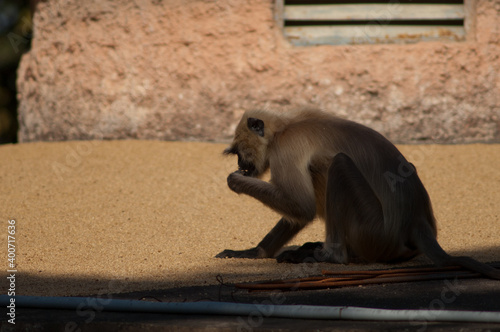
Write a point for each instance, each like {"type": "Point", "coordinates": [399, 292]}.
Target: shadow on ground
{"type": "Point", "coordinates": [454, 294]}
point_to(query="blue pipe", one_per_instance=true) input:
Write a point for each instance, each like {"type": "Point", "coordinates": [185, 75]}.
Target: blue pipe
{"type": "Point", "coordinates": [243, 309]}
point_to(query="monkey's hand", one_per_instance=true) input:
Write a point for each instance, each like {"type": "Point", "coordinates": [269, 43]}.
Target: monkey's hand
{"type": "Point", "coordinates": [234, 181]}
{"type": "Point", "coordinates": [256, 252]}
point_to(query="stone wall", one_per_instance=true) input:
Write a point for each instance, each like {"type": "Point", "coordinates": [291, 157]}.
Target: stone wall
{"type": "Point", "coordinates": [187, 69]}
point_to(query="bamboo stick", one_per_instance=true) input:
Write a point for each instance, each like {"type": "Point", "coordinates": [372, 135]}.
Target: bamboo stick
{"type": "Point", "coordinates": [357, 278]}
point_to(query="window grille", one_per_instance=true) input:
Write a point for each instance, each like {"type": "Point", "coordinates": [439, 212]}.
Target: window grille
{"type": "Point", "coordinates": [367, 22]}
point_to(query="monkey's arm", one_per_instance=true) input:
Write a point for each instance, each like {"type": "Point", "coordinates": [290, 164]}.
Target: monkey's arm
{"type": "Point", "coordinates": [283, 232]}
{"type": "Point", "coordinates": [296, 204]}
{"type": "Point", "coordinates": [293, 199]}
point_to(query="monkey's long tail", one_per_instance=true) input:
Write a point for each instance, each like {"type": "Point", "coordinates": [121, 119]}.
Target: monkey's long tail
{"type": "Point", "coordinates": [427, 244]}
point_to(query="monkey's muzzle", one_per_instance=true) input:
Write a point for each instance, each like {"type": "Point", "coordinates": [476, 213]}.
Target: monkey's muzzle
{"type": "Point", "coordinates": [246, 168]}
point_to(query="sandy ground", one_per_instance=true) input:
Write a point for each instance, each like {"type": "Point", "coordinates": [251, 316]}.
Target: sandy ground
{"type": "Point", "coordinates": [116, 216]}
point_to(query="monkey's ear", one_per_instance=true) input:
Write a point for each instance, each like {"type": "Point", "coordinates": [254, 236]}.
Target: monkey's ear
{"type": "Point", "coordinates": [231, 150]}
{"type": "Point", "coordinates": [256, 125]}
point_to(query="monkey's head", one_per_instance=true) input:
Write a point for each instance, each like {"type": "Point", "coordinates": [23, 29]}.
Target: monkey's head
{"type": "Point", "coordinates": [251, 140]}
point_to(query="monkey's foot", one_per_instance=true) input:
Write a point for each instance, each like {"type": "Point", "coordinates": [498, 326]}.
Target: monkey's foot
{"type": "Point", "coordinates": [249, 253]}
{"type": "Point", "coordinates": [309, 252]}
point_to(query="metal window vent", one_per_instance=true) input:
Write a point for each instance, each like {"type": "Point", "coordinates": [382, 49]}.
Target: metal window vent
{"type": "Point", "coordinates": [368, 22]}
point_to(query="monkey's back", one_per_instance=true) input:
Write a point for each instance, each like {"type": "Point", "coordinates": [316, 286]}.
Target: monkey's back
{"type": "Point", "coordinates": [320, 137]}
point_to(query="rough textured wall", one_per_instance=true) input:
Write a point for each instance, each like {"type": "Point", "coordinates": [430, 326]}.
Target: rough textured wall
{"type": "Point", "coordinates": [187, 69]}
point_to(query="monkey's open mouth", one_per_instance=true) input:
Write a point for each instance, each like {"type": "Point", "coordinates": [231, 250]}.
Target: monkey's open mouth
{"type": "Point", "coordinates": [248, 169]}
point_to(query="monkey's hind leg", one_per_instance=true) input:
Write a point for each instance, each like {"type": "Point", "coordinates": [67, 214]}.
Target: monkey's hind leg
{"type": "Point", "coordinates": [352, 209]}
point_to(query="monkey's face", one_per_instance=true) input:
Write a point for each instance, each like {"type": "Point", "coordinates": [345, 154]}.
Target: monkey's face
{"type": "Point", "coordinates": [250, 145]}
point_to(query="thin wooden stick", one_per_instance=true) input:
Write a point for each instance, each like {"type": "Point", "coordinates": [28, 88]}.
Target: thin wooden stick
{"type": "Point", "coordinates": [357, 278]}
{"type": "Point", "coordinates": [328, 283]}
{"type": "Point", "coordinates": [394, 271]}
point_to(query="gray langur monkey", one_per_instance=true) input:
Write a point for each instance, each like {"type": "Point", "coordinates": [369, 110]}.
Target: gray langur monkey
{"type": "Point", "coordinates": [373, 203]}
